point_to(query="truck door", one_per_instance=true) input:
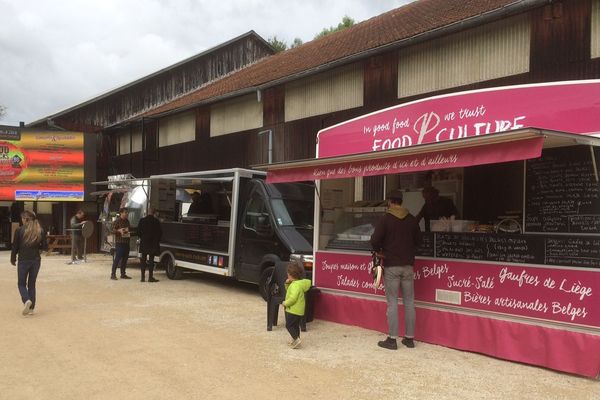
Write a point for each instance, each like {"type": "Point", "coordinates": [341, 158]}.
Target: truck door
{"type": "Point", "coordinates": [256, 238]}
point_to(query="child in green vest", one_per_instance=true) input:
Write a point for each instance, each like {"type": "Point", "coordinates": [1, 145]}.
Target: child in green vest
{"type": "Point", "coordinates": [294, 302]}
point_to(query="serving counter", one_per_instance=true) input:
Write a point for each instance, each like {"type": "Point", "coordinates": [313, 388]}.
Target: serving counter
{"type": "Point", "coordinates": [212, 237]}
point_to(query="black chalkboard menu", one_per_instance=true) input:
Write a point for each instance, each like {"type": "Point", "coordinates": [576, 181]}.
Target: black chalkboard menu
{"type": "Point", "coordinates": [573, 251]}
{"type": "Point", "coordinates": [528, 249]}
{"type": "Point", "coordinates": [562, 193]}
{"type": "Point", "coordinates": [570, 251]}
{"type": "Point", "coordinates": [426, 249]}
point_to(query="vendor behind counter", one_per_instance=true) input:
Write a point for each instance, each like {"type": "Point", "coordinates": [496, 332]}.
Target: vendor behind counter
{"type": "Point", "coordinates": [435, 207]}
{"type": "Point", "coordinates": [201, 203]}
{"type": "Point", "coordinates": [210, 208]}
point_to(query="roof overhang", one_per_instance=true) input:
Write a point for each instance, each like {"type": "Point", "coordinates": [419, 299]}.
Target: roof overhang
{"type": "Point", "coordinates": [494, 148]}
{"type": "Point", "coordinates": [128, 181]}
{"type": "Point", "coordinates": [212, 176]}
{"type": "Point", "coordinates": [192, 180]}
{"type": "Point", "coordinates": [101, 193]}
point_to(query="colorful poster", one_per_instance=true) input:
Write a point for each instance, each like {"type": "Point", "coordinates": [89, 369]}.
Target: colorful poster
{"type": "Point", "coordinates": [41, 166]}
{"type": "Point", "coordinates": [551, 294]}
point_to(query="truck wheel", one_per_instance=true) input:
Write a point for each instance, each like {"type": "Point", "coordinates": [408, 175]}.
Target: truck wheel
{"type": "Point", "coordinates": [264, 280]}
{"type": "Point", "coordinates": [173, 272]}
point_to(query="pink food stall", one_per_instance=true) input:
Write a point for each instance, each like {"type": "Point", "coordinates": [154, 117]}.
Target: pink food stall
{"type": "Point", "coordinates": [515, 274]}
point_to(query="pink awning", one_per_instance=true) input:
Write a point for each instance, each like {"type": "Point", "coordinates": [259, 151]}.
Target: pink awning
{"type": "Point", "coordinates": [490, 149]}
{"type": "Point", "coordinates": [454, 158]}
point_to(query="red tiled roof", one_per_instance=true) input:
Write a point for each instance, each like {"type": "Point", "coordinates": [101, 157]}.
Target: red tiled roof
{"type": "Point", "coordinates": [401, 23]}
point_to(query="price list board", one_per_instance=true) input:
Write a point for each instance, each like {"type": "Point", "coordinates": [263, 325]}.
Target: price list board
{"type": "Point", "coordinates": [569, 251]}
{"type": "Point", "coordinates": [562, 193]}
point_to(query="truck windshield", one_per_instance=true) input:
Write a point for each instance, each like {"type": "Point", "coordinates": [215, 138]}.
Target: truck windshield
{"type": "Point", "coordinates": [296, 213]}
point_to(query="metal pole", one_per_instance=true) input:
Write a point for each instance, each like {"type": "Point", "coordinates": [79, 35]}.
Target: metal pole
{"type": "Point", "coordinates": [130, 150]}
{"type": "Point", "coordinates": [84, 249]}
{"type": "Point", "coordinates": [594, 165]}
{"type": "Point", "coordinates": [143, 149]}
{"type": "Point", "coordinates": [64, 216]}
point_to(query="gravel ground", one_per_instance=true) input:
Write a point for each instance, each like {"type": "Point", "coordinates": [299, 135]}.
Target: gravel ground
{"type": "Point", "coordinates": [205, 337]}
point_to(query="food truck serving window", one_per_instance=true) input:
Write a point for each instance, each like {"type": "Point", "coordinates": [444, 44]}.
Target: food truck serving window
{"type": "Point", "coordinates": [556, 192]}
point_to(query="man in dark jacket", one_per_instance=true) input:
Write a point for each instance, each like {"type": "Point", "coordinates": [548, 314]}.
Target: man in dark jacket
{"type": "Point", "coordinates": [77, 222]}
{"type": "Point", "coordinates": [435, 207]}
{"type": "Point", "coordinates": [201, 203]}
{"type": "Point", "coordinates": [120, 229]}
{"type": "Point", "coordinates": [396, 237]}
{"type": "Point", "coordinates": [149, 232]}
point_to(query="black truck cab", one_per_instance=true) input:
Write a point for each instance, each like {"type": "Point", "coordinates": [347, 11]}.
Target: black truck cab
{"type": "Point", "coordinates": [276, 224]}
{"type": "Point", "coordinates": [243, 228]}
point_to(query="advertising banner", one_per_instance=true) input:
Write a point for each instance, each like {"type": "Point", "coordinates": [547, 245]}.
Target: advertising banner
{"type": "Point", "coordinates": [560, 295]}
{"type": "Point", "coordinates": [572, 107]}
{"type": "Point", "coordinates": [487, 154]}
{"type": "Point", "coordinates": [41, 165]}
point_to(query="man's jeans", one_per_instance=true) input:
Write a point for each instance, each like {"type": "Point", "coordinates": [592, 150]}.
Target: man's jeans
{"type": "Point", "coordinates": [121, 256]}
{"type": "Point", "coordinates": [77, 247]}
{"type": "Point", "coordinates": [27, 272]}
{"type": "Point", "coordinates": [393, 278]}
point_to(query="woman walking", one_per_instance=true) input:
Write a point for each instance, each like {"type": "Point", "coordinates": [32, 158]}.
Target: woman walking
{"type": "Point", "coordinates": [29, 240]}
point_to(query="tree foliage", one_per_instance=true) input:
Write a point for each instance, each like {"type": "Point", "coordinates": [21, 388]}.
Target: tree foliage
{"type": "Point", "coordinates": [278, 45]}
{"type": "Point", "coordinates": [297, 42]}
{"type": "Point", "coordinates": [347, 22]}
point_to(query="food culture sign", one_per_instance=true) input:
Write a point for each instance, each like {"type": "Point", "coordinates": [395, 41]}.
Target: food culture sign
{"type": "Point", "coordinates": [567, 296]}
{"type": "Point", "coordinates": [572, 106]}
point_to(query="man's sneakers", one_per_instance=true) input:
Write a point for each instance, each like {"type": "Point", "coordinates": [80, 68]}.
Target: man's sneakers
{"type": "Point", "coordinates": [296, 343]}
{"type": "Point", "coordinates": [391, 344]}
{"type": "Point", "coordinates": [388, 343]}
{"type": "Point", "coordinates": [152, 279]}
{"type": "Point", "coordinates": [114, 277]}
{"type": "Point", "coordinates": [27, 309]}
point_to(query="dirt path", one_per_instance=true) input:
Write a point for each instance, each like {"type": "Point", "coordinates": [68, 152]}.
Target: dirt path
{"type": "Point", "coordinates": [205, 338]}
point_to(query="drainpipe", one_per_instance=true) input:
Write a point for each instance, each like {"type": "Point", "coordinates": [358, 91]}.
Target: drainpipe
{"type": "Point", "coordinates": [270, 148]}
{"type": "Point", "coordinates": [130, 150]}
{"type": "Point", "coordinates": [143, 149]}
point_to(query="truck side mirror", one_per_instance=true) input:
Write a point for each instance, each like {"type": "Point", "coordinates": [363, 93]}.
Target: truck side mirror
{"type": "Point", "coordinates": [263, 225]}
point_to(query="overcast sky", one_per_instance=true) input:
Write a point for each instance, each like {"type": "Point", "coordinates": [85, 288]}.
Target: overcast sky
{"type": "Point", "coordinates": [56, 54]}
